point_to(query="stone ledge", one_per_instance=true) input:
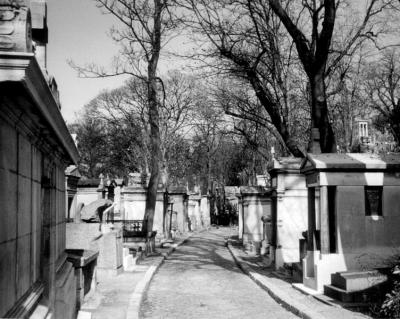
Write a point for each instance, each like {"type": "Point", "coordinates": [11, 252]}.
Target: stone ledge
{"type": "Point", "coordinates": [81, 257]}
{"type": "Point", "coordinates": [27, 303]}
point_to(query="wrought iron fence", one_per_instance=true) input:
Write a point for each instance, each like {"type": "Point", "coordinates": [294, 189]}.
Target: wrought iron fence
{"type": "Point", "coordinates": [134, 228]}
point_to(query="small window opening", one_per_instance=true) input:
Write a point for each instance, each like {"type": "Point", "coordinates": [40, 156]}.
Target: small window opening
{"type": "Point", "coordinates": [373, 200]}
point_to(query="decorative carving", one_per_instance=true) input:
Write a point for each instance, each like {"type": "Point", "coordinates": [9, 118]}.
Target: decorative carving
{"type": "Point", "coordinates": [15, 26]}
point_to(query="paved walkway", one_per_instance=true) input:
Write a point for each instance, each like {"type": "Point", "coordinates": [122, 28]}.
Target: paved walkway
{"type": "Point", "coordinates": [201, 280]}
{"type": "Point", "coordinates": [113, 297]}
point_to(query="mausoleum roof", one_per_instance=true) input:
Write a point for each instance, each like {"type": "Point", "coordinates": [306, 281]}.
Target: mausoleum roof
{"type": "Point", "coordinates": [351, 161]}
{"type": "Point", "coordinates": [24, 84]}
{"type": "Point", "coordinates": [176, 189]}
{"type": "Point", "coordinates": [285, 163]}
{"type": "Point", "coordinates": [89, 182]}
{"type": "Point", "coordinates": [231, 190]}
{"type": "Point", "coordinates": [259, 190]}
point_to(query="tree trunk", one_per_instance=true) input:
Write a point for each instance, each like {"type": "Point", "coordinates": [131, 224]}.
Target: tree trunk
{"type": "Point", "coordinates": [320, 116]}
{"type": "Point", "coordinates": [151, 196]}
{"type": "Point", "coordinates": [155, 139]}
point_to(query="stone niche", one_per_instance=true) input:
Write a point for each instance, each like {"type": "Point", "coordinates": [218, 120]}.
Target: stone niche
{"type": "Point", "coordinates": [353, 214]}
{"type": "Point", "coordinates": [254, 204]}
{"type": "Point", "coordinates": [289, 211]}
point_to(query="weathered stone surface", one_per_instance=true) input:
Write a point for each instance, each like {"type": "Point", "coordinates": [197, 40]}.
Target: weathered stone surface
{"type": "Point", "coordinates": [8, 198]}
{"type": "Point", "coordinates": [82, 235]}
{"type": "Point", "coordinates": [93, 211]}
{"type": "Point", "coordinates": [65, 292]}
{"type": "Point", "coordinates": [15, 26]}
{"type": "Point", "coordinates": [8, 147]}
{"type": "Point", "coordinates": [23, 265]}
{"type": "Point", "coordinates": [32, 230]}
{"type": "Point", "coordinates": [7, 275]}
{"type": "Point", "coordinates": [24, 157]}
{"type": "Point", "coordinates": [24, 206]}
{"type": "Point", "coordinates": [110, 257]}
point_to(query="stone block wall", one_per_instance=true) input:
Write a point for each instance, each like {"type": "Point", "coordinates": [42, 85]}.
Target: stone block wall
{"type": "Point", "coordinates": [376, 239]}
{"type": "Point", "coordinates": [87, 195]}
{"type": "Point", "coordinates": [32, 230]}
{"type": "Point", "coordinates": [20, 227]}
{"type": "Point", "coordinates": [133, 203]}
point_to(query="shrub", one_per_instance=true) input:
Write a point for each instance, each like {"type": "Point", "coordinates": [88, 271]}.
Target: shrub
{"type": "Point", "coordinates": [391, 305]}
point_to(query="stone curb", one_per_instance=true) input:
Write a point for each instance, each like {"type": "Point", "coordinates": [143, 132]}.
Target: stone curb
{"type": "Point", "coordinates": [296, 307]}
{"type": "Point", "coordinates": [136, 298]}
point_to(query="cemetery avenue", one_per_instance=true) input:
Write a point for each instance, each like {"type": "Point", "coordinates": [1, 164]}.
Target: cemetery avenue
{"type": "Point", "coordinates": [199, 159]}
{"type": "Point", "coordinates": [201, 280]}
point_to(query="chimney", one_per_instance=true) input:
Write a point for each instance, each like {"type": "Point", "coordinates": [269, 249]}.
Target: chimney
{"type": "Point", "coordinates": [40, 31]}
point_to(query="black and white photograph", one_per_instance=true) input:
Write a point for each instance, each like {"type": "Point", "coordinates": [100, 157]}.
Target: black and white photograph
{"type": "Point", "coordinates": [200, 159]}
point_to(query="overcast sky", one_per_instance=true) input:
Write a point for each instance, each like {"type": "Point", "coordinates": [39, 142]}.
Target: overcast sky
{"type": "Point", "coordinates": [78, 31]}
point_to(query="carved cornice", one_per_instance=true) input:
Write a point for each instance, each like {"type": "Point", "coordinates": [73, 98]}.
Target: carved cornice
{"type": "Point", "coordinates": [22, 69]}
{"type": "Point", "coordinates": [15, 26]}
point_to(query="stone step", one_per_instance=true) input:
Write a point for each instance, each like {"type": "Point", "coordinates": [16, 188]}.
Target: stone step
{"type": "Point", "coordinates": [356, 281]}
{"type": "Point", "coordinates": [362, 296]}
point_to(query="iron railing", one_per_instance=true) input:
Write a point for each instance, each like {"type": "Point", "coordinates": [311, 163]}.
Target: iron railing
{"type": "Point", "coordinates": [134, 228]}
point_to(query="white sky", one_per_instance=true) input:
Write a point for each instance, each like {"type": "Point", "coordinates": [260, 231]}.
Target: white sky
{"type": "Point", "coordinates": [78, 32]}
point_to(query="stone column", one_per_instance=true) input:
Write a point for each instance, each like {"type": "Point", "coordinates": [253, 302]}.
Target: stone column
{"type": "Point", "coordinates": [324, 217]}
{"type": "Point", "coordinates": [240, 217]}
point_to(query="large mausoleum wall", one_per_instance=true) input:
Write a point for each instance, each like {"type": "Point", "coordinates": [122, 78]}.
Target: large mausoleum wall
{"type": "Point", "coordinates": [35, 150]}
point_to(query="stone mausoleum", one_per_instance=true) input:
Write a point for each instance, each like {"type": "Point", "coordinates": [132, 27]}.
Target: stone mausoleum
{"type": "Point", "coordinates": [171, 205]}
{"type": "Point", "coordinates": [353, 218]}
{"type": "Point", "coordinates": [289, 211]}
{"type": "Point", "coordinates": [35, 149]}
{"type": "Point", "coordinates": [254, 204]}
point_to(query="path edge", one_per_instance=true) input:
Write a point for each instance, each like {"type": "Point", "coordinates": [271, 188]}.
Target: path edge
{"type": "Point", "coordinates": [136, 298]}
{"type": "Point", "coordinates": [293, 306]}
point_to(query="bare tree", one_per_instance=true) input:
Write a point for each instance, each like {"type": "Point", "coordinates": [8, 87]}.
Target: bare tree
{"type": "Point", "coordinates": [318, 57]}
{"type": "Point", "coordinates": [240, 38]}
{"type": "Point", "coordinates": [382, 87]}
{"type": "Point", "coordinates": [145, 25]}
{"type": "Point", "coordinates": [275, 44]}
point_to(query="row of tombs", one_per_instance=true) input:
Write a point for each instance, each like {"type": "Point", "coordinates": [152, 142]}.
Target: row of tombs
{"type": "Point", "coordinates": [330, 220]}
{"type": "Point", "coordinates": [47, 265]}
{"type": "Point", "coordinates": [333, 216]}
